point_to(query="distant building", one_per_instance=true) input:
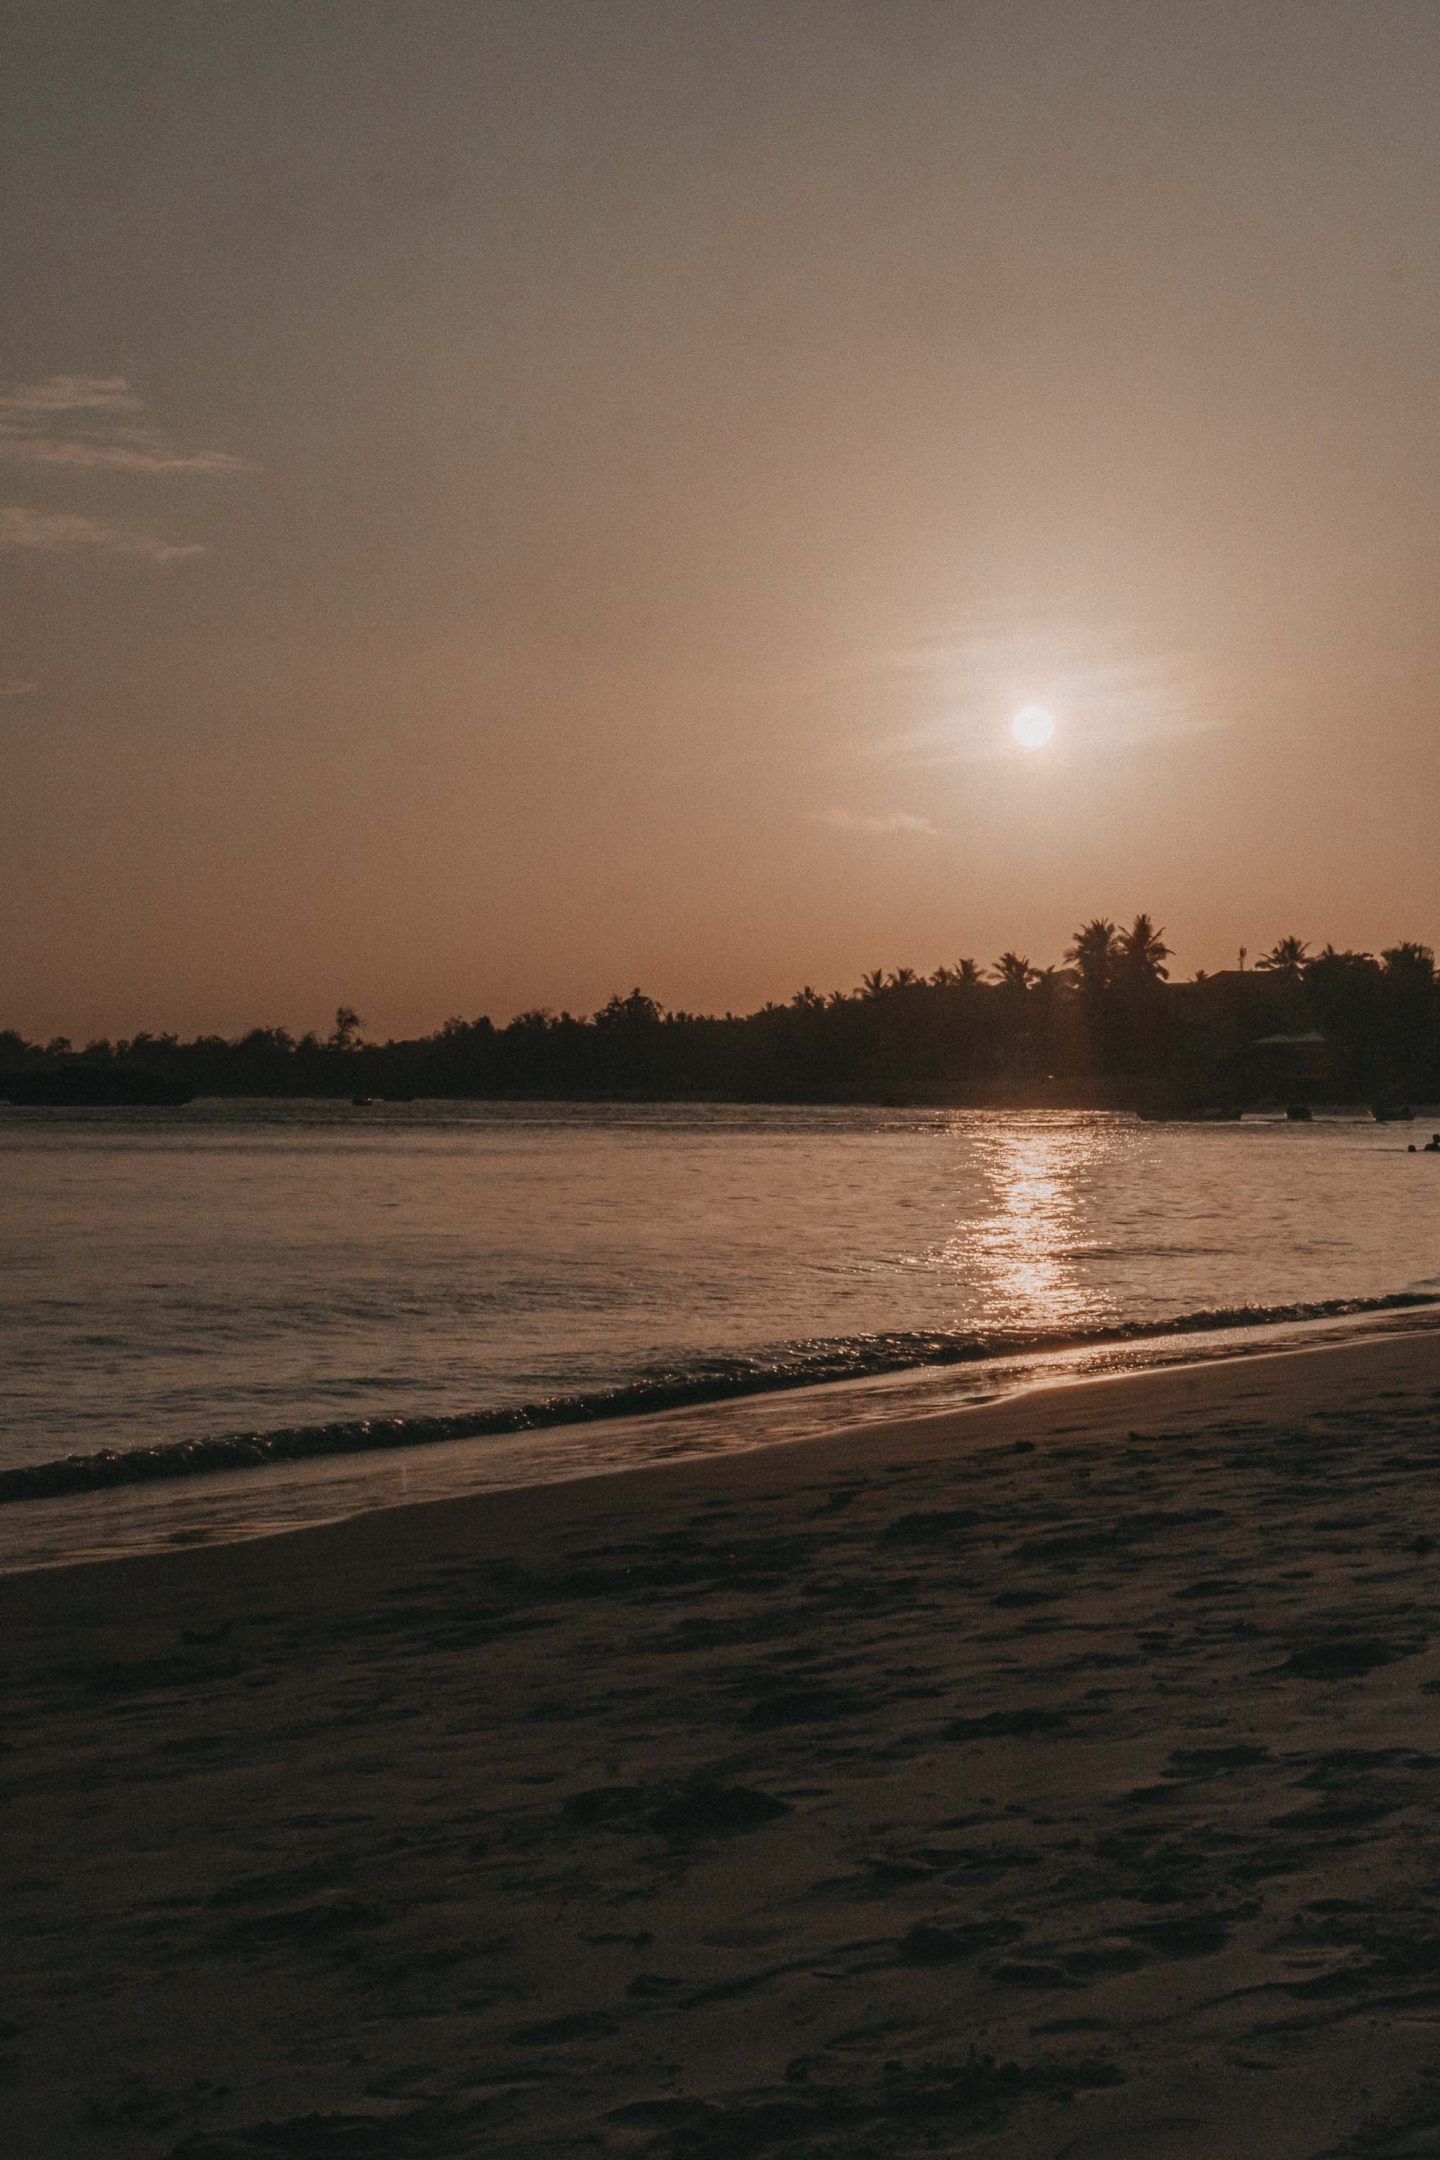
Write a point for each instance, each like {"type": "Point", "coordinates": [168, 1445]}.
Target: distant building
{"type": "Point", "coordinates": [1289, 1067]}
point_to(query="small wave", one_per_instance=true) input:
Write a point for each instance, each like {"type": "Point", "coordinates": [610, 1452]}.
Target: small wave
{"type": "Point", "coordinates": [790, 1365]}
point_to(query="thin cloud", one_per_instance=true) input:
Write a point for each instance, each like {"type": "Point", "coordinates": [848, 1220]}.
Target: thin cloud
{"type": "Point", "coordinates": [1108, 686]}
{"type": "Point", "coordinates": [884, 821]}
{"type": "Point", "coordinates": [70, 393]}
{"type": "Point", "coordinates": [100, 433]}
{"type": "Point", "coordinates": [141, 456]}
{"type": "Point", "coordinates": [89, 424]}
{"type": "Point", "coordinates": [51, 530]}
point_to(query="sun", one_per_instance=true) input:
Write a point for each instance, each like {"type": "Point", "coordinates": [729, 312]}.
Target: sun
{"type": "Point", "coordinates": [1033, 727]}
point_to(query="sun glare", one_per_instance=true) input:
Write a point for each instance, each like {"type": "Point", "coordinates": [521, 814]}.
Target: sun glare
{"type": "Point", "coordinates": [1033, 727]}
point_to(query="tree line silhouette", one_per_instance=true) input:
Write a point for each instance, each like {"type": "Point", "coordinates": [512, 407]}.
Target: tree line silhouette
{"type": "Point", "coordinates": [1106, 1027]}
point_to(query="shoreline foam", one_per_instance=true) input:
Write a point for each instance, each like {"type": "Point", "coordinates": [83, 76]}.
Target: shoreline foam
{"type": "Point", "coordinates": [719, 1379]}
{"type": "Point", "coordinates": [276, 1498]}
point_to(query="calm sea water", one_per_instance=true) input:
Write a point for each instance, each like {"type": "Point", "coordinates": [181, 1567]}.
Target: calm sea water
{"type": "Point", "coordinates": [249, 1269]}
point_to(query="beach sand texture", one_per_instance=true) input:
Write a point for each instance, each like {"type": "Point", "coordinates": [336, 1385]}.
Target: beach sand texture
{"type": "Point", "coordinates": [1060, 1778]}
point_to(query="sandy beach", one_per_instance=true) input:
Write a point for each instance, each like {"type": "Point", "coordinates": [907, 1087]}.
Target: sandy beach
{"type": "Point", "coordinates": [1052, 1779]}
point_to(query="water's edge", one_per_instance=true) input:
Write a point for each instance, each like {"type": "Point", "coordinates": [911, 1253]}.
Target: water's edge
{"type": "Point", "coordinates": [793, 1365]}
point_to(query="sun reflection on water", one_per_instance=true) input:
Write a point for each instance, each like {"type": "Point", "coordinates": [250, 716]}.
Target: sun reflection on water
{"type": "Point", "coordinates": [1023, 1243]}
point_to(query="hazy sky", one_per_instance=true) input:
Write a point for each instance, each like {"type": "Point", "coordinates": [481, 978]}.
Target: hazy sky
{"type": "Point", "coordinates": [501, 500]}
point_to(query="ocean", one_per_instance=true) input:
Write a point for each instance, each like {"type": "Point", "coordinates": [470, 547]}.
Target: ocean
{"type": "Point", "coordinates": [239, 1316]}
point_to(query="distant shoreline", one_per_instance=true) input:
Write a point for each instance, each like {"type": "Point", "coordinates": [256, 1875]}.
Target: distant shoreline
{"type": "Point", "coordinates": [1108, 1030]}
{"type": "Point", "coordinates": [1133, 1103]}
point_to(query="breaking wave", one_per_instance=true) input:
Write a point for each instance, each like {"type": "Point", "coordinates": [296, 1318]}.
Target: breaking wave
{"type": "Point", "coordinates": [706, 1380]}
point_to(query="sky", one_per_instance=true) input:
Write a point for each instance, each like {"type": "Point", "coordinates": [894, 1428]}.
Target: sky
{"type": "Point", "coordinates": [506, 500]}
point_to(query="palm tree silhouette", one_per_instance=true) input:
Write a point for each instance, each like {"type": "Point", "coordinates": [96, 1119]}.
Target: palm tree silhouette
{"type": "Point", "coordinates": [1410, 961]}
{"type": "Point", "coordinates": [1093, 954]}
{"type": "Point", "coordinates": [1287, 958]}
{"type": "Point", "coordinates": [1013, 972]}
{"type": "Point", "coordinates": [1143, 951]}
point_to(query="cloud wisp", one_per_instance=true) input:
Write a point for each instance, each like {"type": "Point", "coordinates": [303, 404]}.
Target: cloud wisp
{"type": "Point", "coordinates": [53, 529]}
{"type": "Point", "coordinates": [68, 394]}
{"type": "Point", "coordinates": [101, 431]}
{"type": "Point", "coordinates": [881, 821]}
{"type": "Point", "coordinates": [138, 451]}
{"type": "Point", "coordinates": [92, 424]}
{"type": "Point", "coordinates": [1111, 688]}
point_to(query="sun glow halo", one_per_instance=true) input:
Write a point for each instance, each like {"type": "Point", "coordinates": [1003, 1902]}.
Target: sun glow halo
{"type": "Point", "coordinates": [1033, 727]}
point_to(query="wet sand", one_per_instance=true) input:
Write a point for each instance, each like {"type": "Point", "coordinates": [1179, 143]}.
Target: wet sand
{"type": "Point", "coordinates": [1055, 1779]}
